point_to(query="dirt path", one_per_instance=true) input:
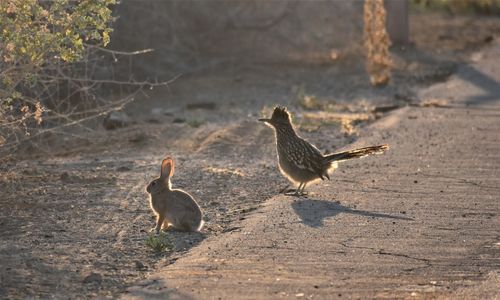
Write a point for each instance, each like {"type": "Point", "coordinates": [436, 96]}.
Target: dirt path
{"type": "Point", "coordinates": [421, 221]}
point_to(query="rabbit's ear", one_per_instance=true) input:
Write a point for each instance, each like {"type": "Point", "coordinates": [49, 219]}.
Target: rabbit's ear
{"type": "Point", "coordinates": [167, 168]}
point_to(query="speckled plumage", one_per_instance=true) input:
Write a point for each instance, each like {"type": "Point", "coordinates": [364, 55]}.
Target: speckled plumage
{"type": "Point", "coordinates": [301, 161]}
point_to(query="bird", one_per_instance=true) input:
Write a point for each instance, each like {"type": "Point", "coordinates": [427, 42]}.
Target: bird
{"type": "Point", "coordinates": [300, 161]}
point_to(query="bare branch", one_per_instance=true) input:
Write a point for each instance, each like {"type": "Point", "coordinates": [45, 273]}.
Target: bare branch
{"type": "Point", "coordinates": [119, 52]}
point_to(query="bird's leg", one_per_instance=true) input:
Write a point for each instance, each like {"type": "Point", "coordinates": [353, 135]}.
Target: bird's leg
{"type": "Point", "coordinates": [299, 191]}
{"type": "Point", "coordinates": [302, 192]}
{"type": "Point", "coordinates": [296, 192]}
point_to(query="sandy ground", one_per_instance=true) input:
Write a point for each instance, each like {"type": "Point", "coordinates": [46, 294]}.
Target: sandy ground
{"type": "Point", "coordinates": [74, 214]}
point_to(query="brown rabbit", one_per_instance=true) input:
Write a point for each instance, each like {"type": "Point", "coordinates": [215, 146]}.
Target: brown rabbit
{"type": "Point", "coordinates": [174, 208]}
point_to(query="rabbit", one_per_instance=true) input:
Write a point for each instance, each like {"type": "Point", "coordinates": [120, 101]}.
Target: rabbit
{"type": "Point", "coordinates": [173, 207]}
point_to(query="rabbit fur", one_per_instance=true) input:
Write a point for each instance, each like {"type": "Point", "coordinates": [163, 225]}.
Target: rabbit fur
{"type": "Point", "coordinates": [174, 208]}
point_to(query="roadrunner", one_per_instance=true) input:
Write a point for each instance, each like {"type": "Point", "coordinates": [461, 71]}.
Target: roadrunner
{"type": "Point", "coordinates": [300, 161]}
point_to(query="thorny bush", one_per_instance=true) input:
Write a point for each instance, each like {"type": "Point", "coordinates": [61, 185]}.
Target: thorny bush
{"type": "Point", "coordinates": [46, 64]}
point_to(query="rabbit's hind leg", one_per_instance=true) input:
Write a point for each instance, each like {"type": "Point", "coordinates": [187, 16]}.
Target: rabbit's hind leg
{"type": "Point", "coordinates": [167, 226]}
{"type": "Point", "coordinates": [191, 226]}
{"type": "Point", "coordinates": [181, 226]}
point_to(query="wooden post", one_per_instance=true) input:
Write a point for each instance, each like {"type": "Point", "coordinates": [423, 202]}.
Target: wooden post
{"type": "Point", "coordinates": [398, 25]}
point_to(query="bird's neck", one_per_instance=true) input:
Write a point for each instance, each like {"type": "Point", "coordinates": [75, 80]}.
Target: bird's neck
{"type": "Point", "coordinates": [284, 131]}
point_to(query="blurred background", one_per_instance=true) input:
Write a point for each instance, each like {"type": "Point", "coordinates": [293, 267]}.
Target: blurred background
{"type": "Point", "coordinates": [190, 36]}
{"type": "Point", "coordinates": [66, 67]}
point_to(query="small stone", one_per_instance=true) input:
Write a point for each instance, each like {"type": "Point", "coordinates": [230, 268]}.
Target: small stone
{"type": "Point", "coordinates": [140, 266]}
{"type": "Point", "coordinates": [489, 39]}
{"type": "Point", "coordinates": [201, 105]}
{"type": "Point", "coordinates": [93, 278]}
{"type": "Point", "coordinates": [116, 119]}
{"type": "Point", "coordinates": [157, 111]}
{"type": "Point", "coordinates": [138, 138]}
{"type": "Point", "coordinates": [64, 177]}
{"type": "Point", "coordinates": [153, 121]}
{"type": "Point", "coordinates": [171, 111]}
{"type": "Point", "coordinates": [123, 169]}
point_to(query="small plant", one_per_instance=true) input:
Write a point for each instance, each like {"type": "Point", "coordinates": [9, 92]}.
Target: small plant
{"type": "Point", "coordinates": [306, 101]}
{"type": "Point", "coordinates": [195, 123]}
{"type": "Point", "coordinates": [345, 121]}
{"type": "Point", "coordinates": [309, 102]}
{"type": "Point", "coordinates": [159, 242]}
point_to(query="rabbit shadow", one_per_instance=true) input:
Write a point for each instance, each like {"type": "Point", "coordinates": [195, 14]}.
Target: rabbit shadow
{"type": "Point", "coordinates": [313, 212]}
{"type": "Point", "coordinates": [183, 241]}
{"type": "Point", "coordinates": [155, 289]}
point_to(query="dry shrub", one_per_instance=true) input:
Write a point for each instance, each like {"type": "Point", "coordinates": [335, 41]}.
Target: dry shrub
{"type": "Point", "coordinates": [55, 75]}
{"type": "Point", "coordinates": [376, 42]}
{"type": "Point", "coordinates": [42, 50]}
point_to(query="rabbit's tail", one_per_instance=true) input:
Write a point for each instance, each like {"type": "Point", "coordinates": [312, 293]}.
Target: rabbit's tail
{"type": "Point", "coordinates": [200, 226]}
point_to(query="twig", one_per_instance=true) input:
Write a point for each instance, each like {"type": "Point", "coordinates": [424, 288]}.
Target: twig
{"type": "Point", "coordinates": [122, 104]}
{"type": "Point", "coordinates": [110, 81]}
{"type": "Point", "coordinates": [120, 52]}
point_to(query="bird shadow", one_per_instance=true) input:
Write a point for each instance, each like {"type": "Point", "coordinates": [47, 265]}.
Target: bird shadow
{"type": "Point", "coordinates": [313, 212]}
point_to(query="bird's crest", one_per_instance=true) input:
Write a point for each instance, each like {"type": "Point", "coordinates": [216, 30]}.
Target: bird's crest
{"type": "Point", "coordinates": [280, 114]}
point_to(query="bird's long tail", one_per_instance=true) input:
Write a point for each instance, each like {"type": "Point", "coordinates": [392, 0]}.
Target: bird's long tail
{"type": "Point", "coordinates": [361, 152]}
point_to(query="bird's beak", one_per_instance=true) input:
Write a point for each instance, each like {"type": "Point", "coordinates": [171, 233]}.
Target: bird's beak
{"type": "Point", "coordinates": [265, 120]}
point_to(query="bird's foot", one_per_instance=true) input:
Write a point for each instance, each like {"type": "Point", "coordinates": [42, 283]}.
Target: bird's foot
{"type": "Point", "coordinates": [295, 193]}
{"type": "Point", "coordinates": [285, 190]}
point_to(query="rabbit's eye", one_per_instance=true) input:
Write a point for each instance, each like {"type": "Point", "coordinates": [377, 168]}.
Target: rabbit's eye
{"type": "Point", "coordinates": [153, 183]}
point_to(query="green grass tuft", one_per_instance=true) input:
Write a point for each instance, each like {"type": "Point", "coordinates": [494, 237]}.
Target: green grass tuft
{"type": "Point", "coordinates": [159, 242]}
{"type": "Point", "coordinates": [195, 123]}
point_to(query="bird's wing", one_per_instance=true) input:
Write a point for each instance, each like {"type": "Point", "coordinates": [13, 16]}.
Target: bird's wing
{"type": "Point", "coordinates": [308, 157]}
